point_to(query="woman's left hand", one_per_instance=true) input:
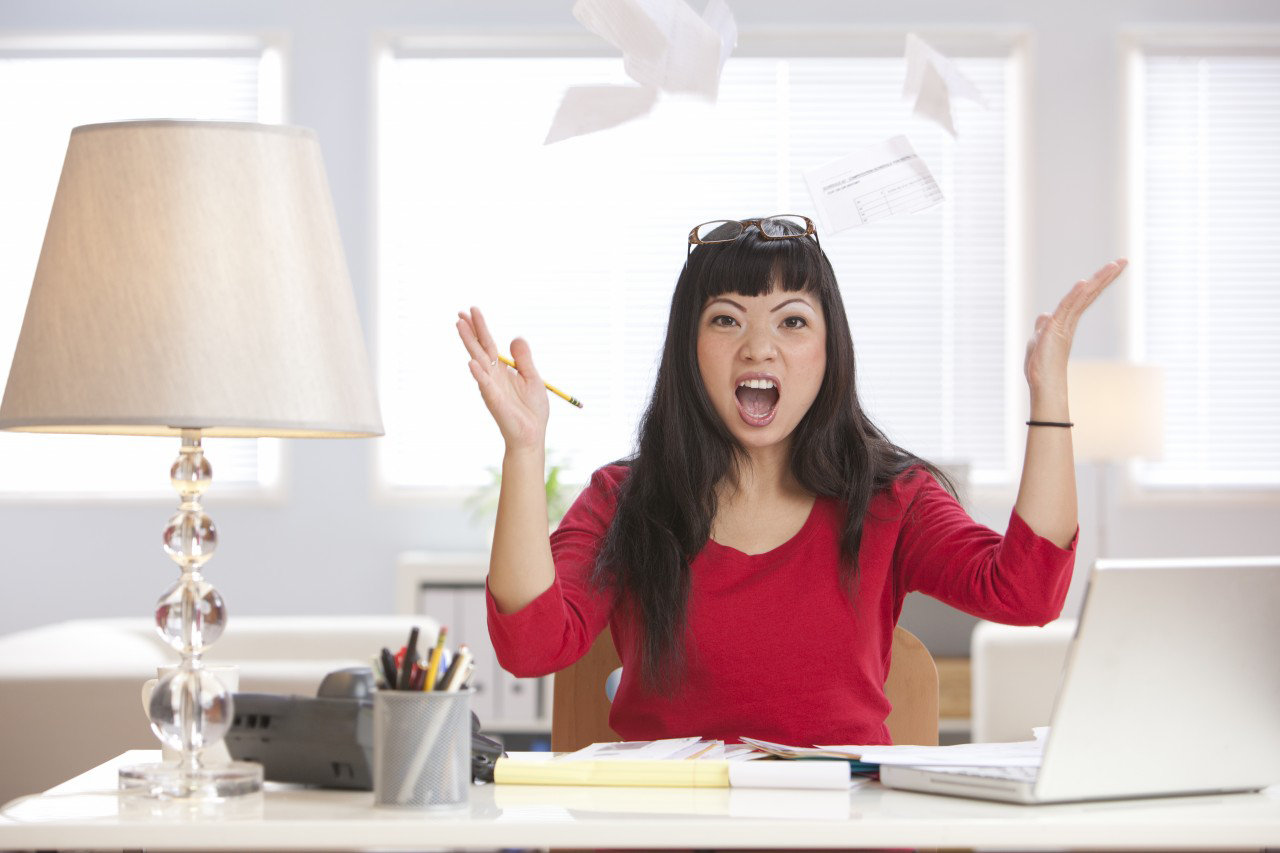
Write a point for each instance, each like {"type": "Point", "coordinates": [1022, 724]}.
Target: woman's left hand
{"type": "Point", "coordinates": [1046, 361]}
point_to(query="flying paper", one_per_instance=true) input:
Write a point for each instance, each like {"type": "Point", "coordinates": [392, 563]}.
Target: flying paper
{"type": "Point", "coordinates": [665, 46]}
{"type": "Point", "coordinates": [586, 109]}
{"type": "Point", "coordinates": [932, 81]}
{"type": "Point", "coordinates": [872, 183]}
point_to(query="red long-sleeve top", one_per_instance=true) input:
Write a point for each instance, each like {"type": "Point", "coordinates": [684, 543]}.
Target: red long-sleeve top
{"type": "Point", "coordinates": [774, 648]}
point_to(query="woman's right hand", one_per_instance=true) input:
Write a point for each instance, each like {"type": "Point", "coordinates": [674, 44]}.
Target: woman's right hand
{"type": "Point", "coordinates": [516, 399]}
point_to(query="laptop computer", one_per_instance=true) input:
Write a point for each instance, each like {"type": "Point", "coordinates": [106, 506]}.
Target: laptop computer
{"type": "Point", "coordinates": [1171, 687]}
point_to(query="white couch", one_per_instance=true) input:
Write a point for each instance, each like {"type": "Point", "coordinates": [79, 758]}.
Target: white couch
{"type": "Point", "coordinates": [1015, 677]}
{"type": "Point", "coordinates": [70, 692]}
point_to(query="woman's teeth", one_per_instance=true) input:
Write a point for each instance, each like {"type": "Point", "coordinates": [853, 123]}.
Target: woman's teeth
{"type": "Point", "coordinates": [757, 400]}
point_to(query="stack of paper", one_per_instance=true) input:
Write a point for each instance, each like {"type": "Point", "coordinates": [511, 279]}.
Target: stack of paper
{"type": "Point", "coordinates": [679, 762]}
{"type": "Point", "coordinates": [1018, 754]}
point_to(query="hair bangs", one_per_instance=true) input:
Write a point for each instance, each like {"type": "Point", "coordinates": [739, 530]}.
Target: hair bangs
{"type": "Point", "coordinates": [751, 266]}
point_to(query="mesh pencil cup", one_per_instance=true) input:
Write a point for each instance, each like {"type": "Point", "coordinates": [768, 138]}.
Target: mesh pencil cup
{"type": "Point", "coordinates": [422, 748]}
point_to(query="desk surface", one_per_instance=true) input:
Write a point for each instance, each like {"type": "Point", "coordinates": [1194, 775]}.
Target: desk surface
{"type": "Point", "coordinates": [87, 813]}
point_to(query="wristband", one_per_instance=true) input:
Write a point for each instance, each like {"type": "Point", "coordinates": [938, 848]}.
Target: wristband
{"type": "Point", "coordinates": [1051, 423]}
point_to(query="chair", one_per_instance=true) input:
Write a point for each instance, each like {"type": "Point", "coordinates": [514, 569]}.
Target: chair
{"type": "Point", "coordinates": [580, 709]}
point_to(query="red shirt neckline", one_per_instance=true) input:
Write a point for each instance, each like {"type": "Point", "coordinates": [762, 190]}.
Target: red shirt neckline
{"type": "Point", "coordinates": [798, 540]}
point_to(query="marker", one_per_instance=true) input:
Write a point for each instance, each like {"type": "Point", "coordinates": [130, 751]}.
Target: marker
{"type": "Point", "coordinates": [417, 677]}
{"type": "Point", "coordinates": [553, 389]}
{"type": "Point", "coordinates": [410, 657]}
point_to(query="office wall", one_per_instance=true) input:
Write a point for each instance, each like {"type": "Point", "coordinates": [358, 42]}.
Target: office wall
{"type": "Point", "coordinates": [328, 545]}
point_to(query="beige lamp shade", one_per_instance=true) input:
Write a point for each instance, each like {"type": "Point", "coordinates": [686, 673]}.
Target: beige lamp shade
{"type": "Point", "coordinates": [192, 276]}
{"type": "Point", "coordinates": [1118, 410]}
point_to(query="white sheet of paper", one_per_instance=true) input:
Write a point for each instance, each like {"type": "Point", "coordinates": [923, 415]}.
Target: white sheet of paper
{"type": "Point", "coordinates": [720, 19]}
{"type": "Point", "coordinates": [664, 43]}
{"type": "Point", "coordinates": [789, 774]}
{"type": "Point", "coordinates": [631, 750]}
{"type": "Point", "coordinates": [691, 61]}
{"type": "Point", "coordinates": [788, 751]}
{"type": "Point", "coordinates": [742, 752]}
{"type": "Point", "coordinates": [586, 109]}
{"type": "Point", "coordinates": [625, 24]}
{"type": "Point", "coordinates": [1019, 754]}
{"type": "Point", "coordinates": [665, 46]}
{"type": "Point", "coordinates": [874, 182]}
{"type": "Point", "coordinates": [932, 81]}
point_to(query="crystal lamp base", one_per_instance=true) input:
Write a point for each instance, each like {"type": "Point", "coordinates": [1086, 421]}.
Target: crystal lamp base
{"type": "Point", "coordinates": [172, 781]}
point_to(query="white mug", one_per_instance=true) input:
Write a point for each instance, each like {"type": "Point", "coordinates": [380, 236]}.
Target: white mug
{"type": "Point", "coordinates": [229, 675]}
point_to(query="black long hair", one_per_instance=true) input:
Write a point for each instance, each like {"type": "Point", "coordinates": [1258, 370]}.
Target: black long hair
{"type": "Point", "coordinates": [668, 501]}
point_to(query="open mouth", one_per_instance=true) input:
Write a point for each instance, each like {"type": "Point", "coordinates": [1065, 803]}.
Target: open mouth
{"type": "Point", "coordinates": [757, 401]}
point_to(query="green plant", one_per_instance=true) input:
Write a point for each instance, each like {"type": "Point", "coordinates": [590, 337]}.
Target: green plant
{"type": "Point", "coordinates": [484, 503]}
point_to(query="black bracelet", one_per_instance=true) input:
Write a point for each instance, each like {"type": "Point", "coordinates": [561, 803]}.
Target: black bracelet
{"type": "Point", "coordinates": [1051, 423]}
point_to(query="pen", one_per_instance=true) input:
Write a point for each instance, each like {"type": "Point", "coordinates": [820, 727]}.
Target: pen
{"type": "Point", "coordinates": [434, 666]}
{"type": "Point", "coordinates": [460, 660]}
{"type": "Point", "coordinates": [446, 660]}
{"type": "Point", "coordinates": [462, 674]}
{"type": "Point", "coordinates": [703, 751]}
{"type": "Point", "coordinates": [553, 389]}
{"type": "Point", "coordinates": [465, 676]}
{"type": "Point", "coordinates": [410, 657]}
{"type": "Point", "coordinates": [389, 670]}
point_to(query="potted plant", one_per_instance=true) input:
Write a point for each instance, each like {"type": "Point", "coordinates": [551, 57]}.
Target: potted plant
{"type": "Point", "coordinates": [484, 503]}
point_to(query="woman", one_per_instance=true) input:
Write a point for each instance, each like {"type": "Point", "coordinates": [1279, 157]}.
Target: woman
{"type": "Point", "coordinates": [752, 557]}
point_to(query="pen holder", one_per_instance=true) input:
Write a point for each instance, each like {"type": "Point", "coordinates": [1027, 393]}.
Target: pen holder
{"type": "Point", "coordinates": [422, 748]}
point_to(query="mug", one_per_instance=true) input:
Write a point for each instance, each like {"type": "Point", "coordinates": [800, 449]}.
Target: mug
{"type": "Point", "coordinates": [229, 675]}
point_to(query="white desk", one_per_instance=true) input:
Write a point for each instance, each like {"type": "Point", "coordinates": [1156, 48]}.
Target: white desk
{"type": "Point", "coordinates": [86, 813]}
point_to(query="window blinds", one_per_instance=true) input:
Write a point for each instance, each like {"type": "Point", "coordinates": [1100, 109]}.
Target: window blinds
{"type": "Point", "coordinates": [41, 99]}
{"type": "Point", "coordinates": [576, 246]}
{"type": "Point", "coordinates": [1209, 222]}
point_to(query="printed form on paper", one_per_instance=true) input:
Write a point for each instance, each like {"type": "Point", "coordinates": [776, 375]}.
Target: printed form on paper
{"type": "Point", "coordinates": [872, 183]}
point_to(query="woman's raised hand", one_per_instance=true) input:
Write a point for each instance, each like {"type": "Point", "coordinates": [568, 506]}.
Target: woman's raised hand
{"type": "Point", "coordinates": [1047, 350]}
{"type": "Point", "coordinates": [517, 399]}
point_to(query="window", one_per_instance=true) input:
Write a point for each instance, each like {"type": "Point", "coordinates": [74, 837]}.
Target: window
{"type": "Point", "coordinates": [43, 95]}
{"type": "Point", "coordinates": [1207, 227]}
{"type": "Point", "coordinates": [576, 246]}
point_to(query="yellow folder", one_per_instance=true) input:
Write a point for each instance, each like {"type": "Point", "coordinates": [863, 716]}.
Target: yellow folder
{"type": "Point", "coordinates": [637, 773]}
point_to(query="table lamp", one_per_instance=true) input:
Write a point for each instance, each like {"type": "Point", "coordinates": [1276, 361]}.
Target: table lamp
{"type": "Point", "coordinates": [191, 283]}
{"type": "Point", "coordinates": [1118, 410]}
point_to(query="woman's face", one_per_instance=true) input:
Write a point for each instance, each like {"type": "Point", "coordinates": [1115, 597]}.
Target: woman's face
{"type": "Point", "coordinates": [762, 359]}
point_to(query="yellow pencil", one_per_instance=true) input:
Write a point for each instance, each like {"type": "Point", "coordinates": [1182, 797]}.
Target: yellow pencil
{"type": "Point", "coordinates": [429, 683]}
{"type": "Point", "coordinates": [553, 389]}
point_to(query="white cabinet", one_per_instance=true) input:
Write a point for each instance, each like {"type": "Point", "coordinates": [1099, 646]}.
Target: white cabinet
{"type": "Point", "coordinates": [449, 587]}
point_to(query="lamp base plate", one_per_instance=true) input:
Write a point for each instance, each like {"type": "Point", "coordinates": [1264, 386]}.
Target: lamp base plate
{"type": "Point", "coordinates": [173, 782]}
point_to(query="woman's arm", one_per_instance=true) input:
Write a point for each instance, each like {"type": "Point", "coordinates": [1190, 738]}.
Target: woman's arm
{"type": "Point", "coordinates": [520, 566]}
{"type": "Point", "coordinates": [1047, 492]}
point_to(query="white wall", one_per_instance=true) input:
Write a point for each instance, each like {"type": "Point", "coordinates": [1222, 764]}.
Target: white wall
{"type": "Point", "coordinates": [330, 545]}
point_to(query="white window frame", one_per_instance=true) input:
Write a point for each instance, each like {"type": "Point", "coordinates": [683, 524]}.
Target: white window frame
{"type": "Point", "coordinates": [1135, 44]}
{"type": "Point", "coordinates": [1013, 44]}
{"type": "Point", "coordinates": [271, 47]}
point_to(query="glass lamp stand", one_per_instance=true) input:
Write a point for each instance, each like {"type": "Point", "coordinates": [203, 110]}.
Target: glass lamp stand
{"type": "Point", "coordinates": [190, 708]}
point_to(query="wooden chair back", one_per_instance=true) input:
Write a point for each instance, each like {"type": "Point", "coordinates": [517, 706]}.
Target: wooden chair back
{"type": "Point", "coordinates": [580, 709]}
